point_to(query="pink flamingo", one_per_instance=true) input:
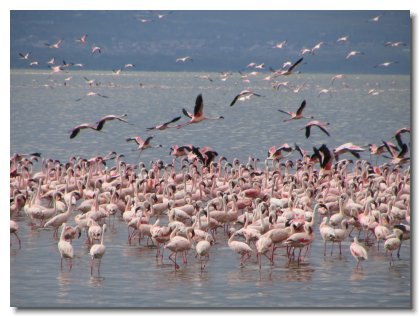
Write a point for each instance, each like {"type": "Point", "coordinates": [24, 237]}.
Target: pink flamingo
{"type": "Point", "coordinates": [110, 117]}
{"type": "Point", "coordinates": [315, 123]}
{"type": "Point", "coordinates": [296, 115]}
{"type": "Point", "coordinates": [300, 240]}
{"type": "Point", "coordinates": [179, 244]}
{"type": "Point", "coordinates": [198, 115]}
{"type": "Point", "coordinates": [97, 251]}
{"type": "Point", "coordinates": [165, 125]}
{"type": "Point", "coordinates": [55, 45]}
{"type": "Point", "coordinates": [276, 153]}
{"type": "Point", "coordinates": [65, 248]}
{"type": "Point", "coordinates": [240, 247]}
{"type": "Point", "coordinates": [14, 227]}
{"type": "Point", "coordinates": [75, 131]}
{"type": "Point", "coordinates": [393, 243]}
{"type": "Point", "coordinates": [347, 147]}
{"type": "Point", "coordinates": [83, 39]}
{"type": "Point", "coordinates": [358, 251]}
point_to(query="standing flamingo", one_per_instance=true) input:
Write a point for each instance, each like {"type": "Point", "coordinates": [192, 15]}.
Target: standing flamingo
{"type": "Point", "coordinates": [14, 227]}
{"type": "Point", "coordinates": [198, 115]}
{"type": "Point", "coordinates": [240, 247]}
{"type": "Point", "coordinates": [358, 251]}
{"type": "Point", "coordinates": [179, 244]}
{"type": "Point", "coordinates": [393, 243]}
{"type": "Point", "coordinates": [65, 248]}
{"type": "Point", "coordinates": [97, 251]}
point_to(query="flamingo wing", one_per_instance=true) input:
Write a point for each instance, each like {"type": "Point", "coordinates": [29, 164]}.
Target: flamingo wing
{"type": "Point", "coordinates": [302, 106]}
{"type": "Point", "coordinates": [199, 105]}
{"type": "Point", "coordinates": [186, 113]}
{"type": "Point", "coordinates": [295, 64]}
{"type": "Point", "coordinates": [234, 100]}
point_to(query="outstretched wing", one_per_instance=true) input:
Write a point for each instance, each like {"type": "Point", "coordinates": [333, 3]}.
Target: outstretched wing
{"type": "Point", "coordinates": [173, 120]}
{"type": "Point", "coordinates": [186, 113]}
{"type": "Point", "coordinates": [295, 64]}
{"type": "Point", "coordinates": [302, 106]}
{"type": "Point", "coordinates": [198, 109]}
{"type": "Point", "coordinates": [234, 100]}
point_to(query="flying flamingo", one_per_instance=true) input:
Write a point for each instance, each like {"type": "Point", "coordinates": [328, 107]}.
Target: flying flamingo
{"type": "Point", "coordinates": [165, 125]}
{"type": "Point", "coordinates": [281, 44]}
{"type": "Point", "coordinates": [348, 147]}
{"type": "Point", "coordinates": [110, 117]}
{"type": "Point", "coordinates": [386, 64]}
{"type": "Point", "coordinates": [343, 39]}
{"type": "Point", "coordinates": [97, 251]}
{"type": "Point", "coordinates": [275, 153]}
{"type": "Point", "coordinates": [24, 55]}
{"type": "Point", "coordinates": [288, 71]}
{"type": "Point", "coordinates": [14, 227]}
{"type": "Point", "coordinates": [315, 123]}
{"type": "Point", "coordinates": [240, 247]}
{"type": "Point", "coordinates": [334, 78]}
{"type": "Point", "coordinates": [55, 45]}
{"type": "Point", "coordinates": [184, 59]}
{"type": "Point", "coordinates": [92, 94]}
{"type": "Point", "coordinates": [65, 248]}
{"type": "Point", "coordinates": [354, 53]}
{"type": "Point", "coordinates": [83, 39]}
{"type": "Point", "coordinates": [298, 114]}
{"type": "Point", "coordinates": [358, 251]}
{"type": "Point", "coordinates": [198, 115]}
{"type": "Point", "coordinates": [96, 49]}
{"type": "Point", "coordinates": [143, 144]}
{"type": "Point", "coordinates": [244, 94]}
{"type": "Point", "coordinates": [75, 131]}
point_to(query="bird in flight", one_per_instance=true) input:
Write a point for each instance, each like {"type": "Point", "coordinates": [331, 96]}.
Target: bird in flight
{"type": "Point", "coordinates": [375, 19]}
{"type": "Point", "coordinates": [96, 49]}
{"type": "Point", "coordinates": [275, 153]}
{"type": "Point", "coordinates": [386, 64]}
{"type": "Point", "coordinates": [198, 115]}
{"type": "Point", "coordinates": [165, 125]}
{"type": "Point", "coordinates": [83, 39]}
{"type": "Point", "coordinates": [75, 131]}
{"type": "Point", "coordinates": [55, 45]}
{"type": "Point", "coordinates": [354, 53]}
{"type": "Point", "coordinates": [347, 147]}
{"type": "Point", "coordinates": [183, 59]}
{"type": "Point", "coordinates": [315, 123]}
{"type": "Point", "coordinates": [281, 44]}
{"type": "Point", "coordinates": [343, 39]}
{"type": "Point", "coordinates": [297, 115]}
{"type": "Point", "coordinates": [316, 47]}
{"type": "Point", "coordinates": [395, 44]}
{"type": "Point", "coordinates": [129, 65]}
{"type": "Point", "coordinates": [24, 56]}
{"type": "Point", "coordinates": [243, 95]}
{"type": "Point", "coordinates": [334, 78]}
{"type": "Point", "coordinates": [101, 122]}
{"type": "Point", "coordinates": [142, 144]}
{"type": "Point", "coordinates": [286, 72]}
{"type": "Point", "coordinates": [92, 94]}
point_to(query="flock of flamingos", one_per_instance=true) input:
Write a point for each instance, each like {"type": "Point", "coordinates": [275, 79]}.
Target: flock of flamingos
{"type": "Point", "coordinates": [189, 203]}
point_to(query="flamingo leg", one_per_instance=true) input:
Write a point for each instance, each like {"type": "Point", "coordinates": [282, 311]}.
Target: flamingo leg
{"type": "Point", "coordinates": [17, 239]}
{"type": "Point", "coordinates": [91, 267]}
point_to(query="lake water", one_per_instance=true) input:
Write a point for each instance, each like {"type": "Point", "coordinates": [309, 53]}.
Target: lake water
{"type": "Point", "coordinates": [43, 110]}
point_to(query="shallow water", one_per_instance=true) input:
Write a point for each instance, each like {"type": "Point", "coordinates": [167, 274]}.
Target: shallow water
{"type": "Point", "coordinates": [130, 275]}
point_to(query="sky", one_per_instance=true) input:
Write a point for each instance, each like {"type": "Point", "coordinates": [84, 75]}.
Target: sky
{"type": "Point", "coordinates": [216, 40]}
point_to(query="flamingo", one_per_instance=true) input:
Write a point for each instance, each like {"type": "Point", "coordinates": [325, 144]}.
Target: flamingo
{"type": "Point", "coordinates": [110, 117]}
{"type": "Point", "coordinates": [334, 78]}
{"type": "Point", "coordinates": [343, 39]}
{"type": "Point", "coordinates": [198, 115]}
{"type": "Point", "coordinates": [82, 39]}
{"type": "Point", "coordinates": [386, 64]}
{"type": "Point", "coordinates": [347, 147]}
{"type": "Point", "coordinates": [92, 94]}
{"type": "Point", "coordinates": [75, 131]}
{"type": "Point", "coordinates": [59, 219]}
{"type": "Point", "coordinates": [14, 227]}
{"type": "Point", "coordinates": [280, 44]}
{"type": "Point", "coordinates": [298, 114]}
{"type": "Point", "coordinates": [24, 55]}
{"type": "Point", "coordinates": [289, 71]}
{"type": "Point", "coordinates": [244, 94]}
{"type": "Point", "coordinates": [202, 248]}
{"type": "Point", "coordinates": [276, 153]}
{"type": "Point", "coordinates": [263, 245]}
{"type": "Point", "coordinates": [96, 49]}
{"type": "Point", "coordinates": [65, 248]}
{"type": "Point", "coordinates": [97, 251]}
{"type": "Point", "coordinates": [165, 125]}
{"type": "Point", "coordinates": [142, 144]}
{"type": "Point", "coordinates": [55, 45]}
{"type": "Point", "coordinates": [358, 251]}
{"type": "Point", "coordinates": [179, 244]}
{"type": "Point", "coordinates": [240, 247]}
{"type": "Point", "coordinates": [354, 53]}
{"type": "Point", "coordinates": [315, 123]}
{"type": "Point", "coordinates": [184, 59]}
{"type": "Point", "coordinates": [300, 240]}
